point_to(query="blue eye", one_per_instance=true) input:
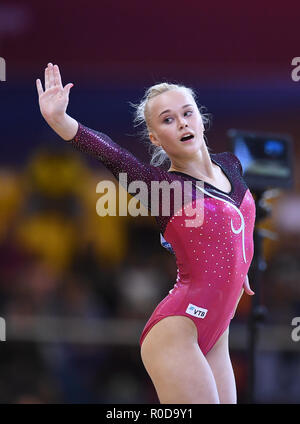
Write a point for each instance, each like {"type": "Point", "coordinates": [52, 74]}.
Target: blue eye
{"type": "Point", "coordinates": [189, 111]}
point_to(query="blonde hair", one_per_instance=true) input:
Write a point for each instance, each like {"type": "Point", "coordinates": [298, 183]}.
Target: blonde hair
{"type": "Point", "coordinates": [158, 154]}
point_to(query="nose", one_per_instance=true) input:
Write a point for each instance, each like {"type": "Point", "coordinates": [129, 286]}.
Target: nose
{"type": "Point", "coordinates": [182, 123]}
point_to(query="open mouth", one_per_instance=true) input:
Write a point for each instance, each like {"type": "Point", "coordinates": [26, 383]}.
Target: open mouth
{"type": "Point", "coordinates": [186, 137]}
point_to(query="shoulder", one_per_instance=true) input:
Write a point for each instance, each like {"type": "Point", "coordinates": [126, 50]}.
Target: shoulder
{"type": "Point", "coordinates": [228, 159]}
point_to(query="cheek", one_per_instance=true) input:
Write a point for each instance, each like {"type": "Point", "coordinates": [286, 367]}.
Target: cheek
{"type": "Point", "coordinates": [168, 139]}
{"type": "Point", "coordinates": [167, 133]}
{"type": "Point", "coordinates": [199, 122]}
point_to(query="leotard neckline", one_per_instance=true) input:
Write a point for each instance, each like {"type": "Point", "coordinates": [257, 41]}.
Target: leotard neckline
{"type": "Point", "coordinates": [206, 183]}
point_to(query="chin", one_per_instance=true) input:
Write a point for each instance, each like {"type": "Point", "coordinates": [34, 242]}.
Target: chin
{"type": "Point", "coordinates": [193, 145]}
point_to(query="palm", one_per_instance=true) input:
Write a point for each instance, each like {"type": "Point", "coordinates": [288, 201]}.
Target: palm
{"type": "Point", "coordinates": [54, 100]}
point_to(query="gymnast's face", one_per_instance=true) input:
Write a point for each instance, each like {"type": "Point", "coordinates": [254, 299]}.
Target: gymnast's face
{"type": "Point", "coordinates": [171, 115]}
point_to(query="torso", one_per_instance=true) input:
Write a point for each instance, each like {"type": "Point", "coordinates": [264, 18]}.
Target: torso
{"type": "Point", "coordinates": [213, 254]}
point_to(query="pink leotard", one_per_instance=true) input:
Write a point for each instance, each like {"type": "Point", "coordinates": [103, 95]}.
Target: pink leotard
{"type": "Point", "coordinates": [212, 258]}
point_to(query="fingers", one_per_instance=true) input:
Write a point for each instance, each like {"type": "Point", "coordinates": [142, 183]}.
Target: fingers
{"type": "Point", "coordinates": [53, 79]}
{"type": "Point", "coordinates": [67, 88]}
{"type": "Point", "coordinates": [39, 87]}
{"type": "Point", "coordinates": [47, 81]}
{"type": "Point", "coordinates": [52, 76]}
{"type": "Point", "coordinates": [49, 78]}
{"type": "Point", "coordinates": [57, 77]}
{"type": "Point", "coordinates": [247, 288]}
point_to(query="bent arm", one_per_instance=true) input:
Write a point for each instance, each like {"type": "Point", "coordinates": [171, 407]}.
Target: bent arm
{"type": "Point", "coordinates": [53, 103]}
{"type": "Point", "coordinates": [114, 157]}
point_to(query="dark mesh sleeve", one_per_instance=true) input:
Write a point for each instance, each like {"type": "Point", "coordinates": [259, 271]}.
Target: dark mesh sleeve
{"type": "Point", "coordinates": [114, 157]}
{"type": "Point", "coordinates": [118, 159]}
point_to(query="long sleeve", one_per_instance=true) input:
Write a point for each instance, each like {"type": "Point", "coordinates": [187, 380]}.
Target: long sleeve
{"type": "Point", "coordinates": [114, 157]}
{"type": "Point", "coordinates": [119, 160]}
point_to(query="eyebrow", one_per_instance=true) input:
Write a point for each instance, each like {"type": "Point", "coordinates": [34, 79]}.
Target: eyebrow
{"type": "Point", "coordinates": [168, 110]}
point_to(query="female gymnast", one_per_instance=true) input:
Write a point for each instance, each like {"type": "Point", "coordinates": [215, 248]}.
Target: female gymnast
{"type": "Point", "coordinates": [184, 345]}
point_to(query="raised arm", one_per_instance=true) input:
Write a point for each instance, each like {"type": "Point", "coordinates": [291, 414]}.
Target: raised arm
{"type": "Point", "coordinates": [114, 157]}
{"type": "Point", "coordinates": [53, 103]}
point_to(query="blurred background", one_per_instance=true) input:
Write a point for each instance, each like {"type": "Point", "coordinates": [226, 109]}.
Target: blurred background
{"type": "Point", "coordinates": [75, 289]}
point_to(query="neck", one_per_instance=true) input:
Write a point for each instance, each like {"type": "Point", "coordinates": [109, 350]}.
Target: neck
{"type": "Point", "coordinates": [200, 166]}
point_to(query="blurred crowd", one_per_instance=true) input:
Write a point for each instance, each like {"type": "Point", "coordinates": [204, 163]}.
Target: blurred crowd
{"type": "Point", "coordinates": [59, 258]}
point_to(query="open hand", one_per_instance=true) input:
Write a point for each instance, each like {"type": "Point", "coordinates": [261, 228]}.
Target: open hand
{"type": "Point", "coordinates": [54, 100]}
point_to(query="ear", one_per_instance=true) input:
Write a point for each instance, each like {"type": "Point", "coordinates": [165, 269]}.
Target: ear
{"type": "Point", "coordinates": [154, 140]}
